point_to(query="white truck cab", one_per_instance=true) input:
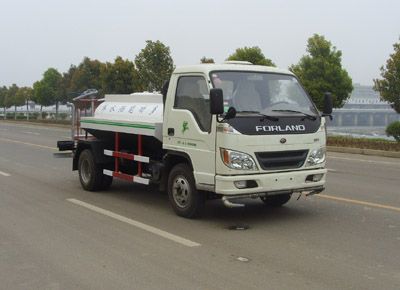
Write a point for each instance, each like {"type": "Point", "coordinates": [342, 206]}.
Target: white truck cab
{"type": "Point", "coordinates": [218, 131]}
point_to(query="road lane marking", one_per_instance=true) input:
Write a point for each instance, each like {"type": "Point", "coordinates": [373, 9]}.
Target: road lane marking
{"type": "Point", "coordinates": [29, 144]}
{"type": "Point", "coordinates": [332, 170]}
{"type": "Point", "coordinates": [5, 173]}
{"type": "Point", "coordinates": [32, 133]}
{"type": "Point", "coordinates": [363, 160]}
{"type": "Point", "coordinates": [359, 202]}
{"type": "Point", "coordinates": [153, 230]}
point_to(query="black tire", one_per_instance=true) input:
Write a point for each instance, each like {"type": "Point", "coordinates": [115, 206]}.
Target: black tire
{"type": "Point", "coordinates": [91, 174]}
{"type": "Point", "coordinates": [185, 199]}
{"type": "Point", "coordinates": [276, 200]}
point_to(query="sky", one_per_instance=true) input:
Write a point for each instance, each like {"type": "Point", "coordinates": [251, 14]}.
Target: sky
{"type": "Point", "coordinates": [38, 34]}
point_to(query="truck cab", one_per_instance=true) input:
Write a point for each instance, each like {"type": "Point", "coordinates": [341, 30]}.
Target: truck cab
{"type": "Point", "coordinates": [272, 147]}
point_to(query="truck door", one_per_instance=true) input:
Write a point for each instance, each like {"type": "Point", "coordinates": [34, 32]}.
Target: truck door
{"type": "Point", "coordinates": [188, 127]}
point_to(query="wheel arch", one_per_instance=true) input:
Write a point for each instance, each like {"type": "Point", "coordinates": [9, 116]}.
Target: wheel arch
{"type": "Point", "coordinates": [170, 159]}
{"type": "Point", "coordinates": [96, 146]}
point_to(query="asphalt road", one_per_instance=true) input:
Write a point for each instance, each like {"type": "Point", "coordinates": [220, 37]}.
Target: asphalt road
{"type": "Point", "coordinates": [54, 235]}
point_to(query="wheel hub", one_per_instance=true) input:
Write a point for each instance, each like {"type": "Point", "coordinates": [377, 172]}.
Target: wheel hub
{"type": "Point", "coordinates": [181, 191]}
{"type": "Point", "coordinates": [85, 171]}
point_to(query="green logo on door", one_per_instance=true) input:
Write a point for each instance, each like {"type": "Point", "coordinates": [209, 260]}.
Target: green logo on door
{"type": "Point", "coordinates": [185, 126]}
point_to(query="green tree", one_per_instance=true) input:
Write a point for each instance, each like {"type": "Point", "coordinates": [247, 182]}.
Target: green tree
{"type": "Point", "coordinates": [119, 77]}
{"type": "Point", "coordinates": [3, 99]}
{"type": "Point", "coordinates": [389, 85]}
{"type": "Point", "coordinates": [20, 98]}
{"type": "Point", "coordinates": [206, 60]}
{"type": "Point", "coordinates": [38, 92]}
{"type": "Point", "coordinates": [87, 75]}
{"type": "Point", "coordinates": [154, 64]}
{"type": "Point", "coordinates": [12, 98]}
{"type": "Point", "coordinates": [321, 71]}
{"type": "Point", "coordinates": [11, 93]}
{"type": "Point", "coordinates": [47, 91]}
{"type": "Point", "coordinates": [23, 95]}
{"type": "Point", "coordinates": [251, 54]}
{"type": "Point", "coordinates": [393, 129]}
{"type": "Point", "coordinates": [67, 93]}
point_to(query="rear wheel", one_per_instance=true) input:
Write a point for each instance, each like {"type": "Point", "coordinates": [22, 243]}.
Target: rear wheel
{"type": "Point", "coordinates": [276, 200]}
{"type": "Point", "coordinates": [91, 174]}
{"type": "Point", "coordinates": [185, 199]}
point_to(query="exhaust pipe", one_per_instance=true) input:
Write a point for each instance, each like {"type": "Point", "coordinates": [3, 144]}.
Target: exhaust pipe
{"type": "Point", "coordinates": [315, 191]}
{"type": "Point", "coordinates": [230, 204]}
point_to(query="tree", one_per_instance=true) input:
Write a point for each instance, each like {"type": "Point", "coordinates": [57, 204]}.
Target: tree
{"type": "Point", "coordinates": [206, 60]}
{"type": "Point", "coordinates": [3, 99]}
{"type": "Point", "coordinates": [47, 91]}
{"type": "Point", "coordinates": [23, 95]}
{"type": "Point", "coordinates": [66, 92]}
{"type": "Point", "coordinates": [87, 75]}
{"type": "Point", "coordinates": [11, 92]}
{"type": "Point", "coordinates": [389, 85]}
{"type": "Point", "coordinates": [251, 54]}
{"type": "Point", "coordinates": [393, 130]}
{"type": "Point", "coordinates": [12, 98]}
{"type": "Point", "coordinates": [119, 77]}
{"type": "Point", "coordinates": [154, 64]}
{"type": "Point", "coordinates": [321, 71]}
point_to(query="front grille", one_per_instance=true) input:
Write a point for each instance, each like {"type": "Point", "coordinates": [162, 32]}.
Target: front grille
{"type": "Point", "coordinates": [281, 159]}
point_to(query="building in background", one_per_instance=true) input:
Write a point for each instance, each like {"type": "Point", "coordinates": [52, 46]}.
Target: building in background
{"type": "Point", "coordinates": [364, 108]}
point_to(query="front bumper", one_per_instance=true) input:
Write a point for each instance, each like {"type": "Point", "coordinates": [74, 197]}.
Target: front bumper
{"type": "Point", "coordinates": [274, 183]}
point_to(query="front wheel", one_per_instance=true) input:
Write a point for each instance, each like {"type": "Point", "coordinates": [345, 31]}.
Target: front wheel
{"type": "Point", "coordinates": [185, 199]}
{"type": "Point", "coordinates": [276, 200]}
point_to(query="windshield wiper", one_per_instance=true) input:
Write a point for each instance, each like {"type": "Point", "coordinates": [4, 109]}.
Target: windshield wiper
{"type": "Point", "coordinates": [308, 116]}
{"type": "Point", "coordinates": [263, 116]}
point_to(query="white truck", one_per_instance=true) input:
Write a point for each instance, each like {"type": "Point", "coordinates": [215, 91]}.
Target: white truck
{"type": "Point", "coordinates": [228, 131]}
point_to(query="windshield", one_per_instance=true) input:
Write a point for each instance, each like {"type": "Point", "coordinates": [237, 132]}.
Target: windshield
{"type": "Point", "coordinates": [262, 92]}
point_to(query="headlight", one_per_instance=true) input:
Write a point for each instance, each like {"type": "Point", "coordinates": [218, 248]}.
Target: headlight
{"type": "Point", "coordinates": [238, 160]}
{"type": "Point", "coordinates": [316, 156]}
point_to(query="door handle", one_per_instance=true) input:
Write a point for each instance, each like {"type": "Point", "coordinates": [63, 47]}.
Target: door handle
{"type": "Point", "coordinates": [171, 131]}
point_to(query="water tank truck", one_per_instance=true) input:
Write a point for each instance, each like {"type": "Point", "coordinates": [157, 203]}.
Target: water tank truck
{"type": "Point", "coordinates": [229, 131]}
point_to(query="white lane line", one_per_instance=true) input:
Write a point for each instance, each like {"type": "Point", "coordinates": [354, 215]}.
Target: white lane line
{"type": "Point", "coordinates": [5, 173]}
{"type": "Point", "coordinates": [359, 202]}
{"type": "Point", "coordinates": [332, 170]}
{"type": "Point", "coordinates": [363, 160]}
{"type": "Point", "coordinates": [29, 144]}
{"type": "Point", "coordinates": [32, 133]}
{"type": "Point", "coordinates": [153, 230]}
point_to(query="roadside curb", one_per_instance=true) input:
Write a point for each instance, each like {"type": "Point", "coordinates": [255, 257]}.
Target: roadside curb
{"type": "Point", "coordinates": [37, 124]}
{"type": "Point", "coordinates": [363, 151]}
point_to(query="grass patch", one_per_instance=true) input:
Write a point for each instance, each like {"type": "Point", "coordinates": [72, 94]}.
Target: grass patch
{"type": "Point", "coordinates": [363, 143]}
{"type": "Point", "coordinates": [56, 122]}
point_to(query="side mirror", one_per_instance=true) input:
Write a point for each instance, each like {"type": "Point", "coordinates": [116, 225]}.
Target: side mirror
{"type": "Point", "coordinates": [328, 105]}
{"type": "Point", "coordinates": [216, 101]}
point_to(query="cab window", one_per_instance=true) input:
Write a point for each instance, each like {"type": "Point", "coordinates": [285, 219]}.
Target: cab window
{"type": "Point", "coordinates": [192, 94]}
